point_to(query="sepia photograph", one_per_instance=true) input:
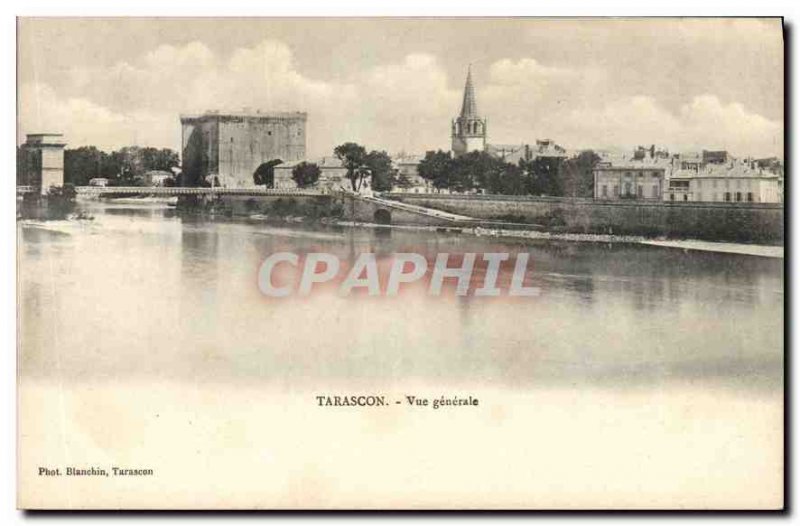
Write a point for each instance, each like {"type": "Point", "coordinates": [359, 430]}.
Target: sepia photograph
{"type": "Point", "coordinates": [400, 263]}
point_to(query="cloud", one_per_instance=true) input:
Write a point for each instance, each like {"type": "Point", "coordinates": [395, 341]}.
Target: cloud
{"type": "Point", "coordinates": [403, 105]}
{"type": "Point", "coordinates": [704, 122]}
{"type": "Point", "coordinates": [42, 110]}
{"type": "Point", "coordinates": [527, 72]}
{"type": "Point", "coordinates": [407, 105]}
{"type": "Point", "coordinates": [394, 106]}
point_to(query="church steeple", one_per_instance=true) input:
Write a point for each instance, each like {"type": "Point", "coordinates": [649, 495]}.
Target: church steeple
{"type": "Point", "coordinates": [468, 129]}
{"type": "Point", "coordinates": [469, 108]}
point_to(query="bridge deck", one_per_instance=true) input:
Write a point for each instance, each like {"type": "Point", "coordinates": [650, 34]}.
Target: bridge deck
{"type": "Point", "coordinates": [179, 190]}
{"type": "Point", "coordinates": [421, 210]}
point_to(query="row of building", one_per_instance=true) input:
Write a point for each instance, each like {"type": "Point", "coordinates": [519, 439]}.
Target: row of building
{"type": "Point", "coordinates": [230, 148]}
{"type": "Point", "coordinates": [234, 149]}
{"type": "Point", "coordinates": [707, 176]}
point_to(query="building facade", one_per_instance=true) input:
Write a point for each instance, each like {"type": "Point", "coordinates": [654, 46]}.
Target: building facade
{"type": "Point", "coordinates": [468, 130]}
{"type": "Point", "coordinates": [227, 148]}
{"type": "Point", "coordinates": [735, 181]}
{"type": "Point", "coordinates": [514, 153]}
{"type": "Point", "coordinates": [707, 176]}
{"type": "Point", "coordinates": [632, 181]}
{"type": "Point", "coordinates": [156, 177]}
{"type": "Point", "coordinates": [41, 162]}
{"type": "Point", "coordinates": [332, 175]}
{"type": "Point", "coordinates": [407, 175]}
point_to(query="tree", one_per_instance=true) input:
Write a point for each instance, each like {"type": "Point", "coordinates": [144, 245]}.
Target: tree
{"type": "Point", "coordinates": [500, 177]}
{"type": "Point", "coordinates": [83, 164]}
{"type": "Point", "coordinates": [305, 174]}
{"type": "Point", "coordinates": [353, 157]}
{"type": "Point", "coordinates": [265, 173]}
{"type": "Point", "coordinates": [577, 174]}
{"type": "Point", "coordinates": [479, 170]}
{"type": "Point", "coordinates": [162, 159]}
{"type": "Point", "coordinates": [435, 167]}
{"type": "Point", "coordinates": [404, 181]}
{"type": "Point", "coordinates": [379, 165]}
{"type": "Point", "coordinates": [542, 176]}
{"type": "Point", "coordinates": [461, 173]}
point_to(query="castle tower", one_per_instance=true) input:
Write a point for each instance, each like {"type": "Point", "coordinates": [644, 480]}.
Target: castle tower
{"type": "Point", "coordinates": [468, 129]}
{"type": "Point", "coordinates": [42, 161]}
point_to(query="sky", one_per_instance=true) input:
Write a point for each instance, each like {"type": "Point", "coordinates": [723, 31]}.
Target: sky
{"type": "Point", "coordinates": [395, 84]}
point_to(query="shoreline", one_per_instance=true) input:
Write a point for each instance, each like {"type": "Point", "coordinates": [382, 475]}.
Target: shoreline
{"type": "Point", "coordinates": [770, 251]}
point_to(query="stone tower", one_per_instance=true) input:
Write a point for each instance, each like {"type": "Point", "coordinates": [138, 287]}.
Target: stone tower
{"type": "Point", "coordinates": [469, 130]}
{"type": "Point", "coordinates": [233, 146]}
{"type": "Point", "coordinates": [42, 161]}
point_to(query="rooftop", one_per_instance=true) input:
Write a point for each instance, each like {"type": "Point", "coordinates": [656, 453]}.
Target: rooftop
{"type": "Point", "coordinates": [45, 139]}
{"type": "Point", "coordinates": [246, 113]}
{"type": "Point", "coordinates": [729, 170]}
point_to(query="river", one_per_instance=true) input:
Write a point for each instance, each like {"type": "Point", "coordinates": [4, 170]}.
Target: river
{"type": "Point", "coordinates": [647, 376]}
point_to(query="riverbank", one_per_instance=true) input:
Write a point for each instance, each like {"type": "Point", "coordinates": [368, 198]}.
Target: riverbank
{"type": "Point", "coordinates": [759, 223]}
{"type": "Point", "coordinates": [515, 233]}
{"type": "Point", "coordinates": [769, 251]}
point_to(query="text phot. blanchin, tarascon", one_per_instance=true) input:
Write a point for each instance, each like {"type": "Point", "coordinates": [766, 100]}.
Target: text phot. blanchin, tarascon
{"type": "Point", "coordinates": [283, 274]}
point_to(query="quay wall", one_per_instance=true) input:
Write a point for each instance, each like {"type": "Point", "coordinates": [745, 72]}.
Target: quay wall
{"type": "Point", "coordinates": [308, 205]}
{"type": "Point", "coordinates": [299, 204]}
{"type": "Point", "coordinates": [735, 222]}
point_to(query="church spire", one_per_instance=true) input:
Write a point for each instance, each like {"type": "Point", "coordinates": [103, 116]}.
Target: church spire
{"type": "Point", "coordinates": [468, 129]}
{"type": "Point", "coordinates": [469, 108]}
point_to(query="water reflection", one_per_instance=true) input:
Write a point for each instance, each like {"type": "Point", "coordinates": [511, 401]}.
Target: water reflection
{"type": "Point", "coordinates": [145, 292]}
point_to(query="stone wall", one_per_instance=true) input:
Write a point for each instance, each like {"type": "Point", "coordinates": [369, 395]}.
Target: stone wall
{"type": "Point", "coordinates": [233, 146]}
{"type": "Point", "coordinates": [740, 222]}
{"type": "Point", "coordinates": [277, 205]}
{"type": "Point", "coordinates": [365, 211]}
{"type": "Point", "coordinates": [308, 205]}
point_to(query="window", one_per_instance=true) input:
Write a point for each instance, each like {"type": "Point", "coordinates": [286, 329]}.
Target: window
{"type": "Point", "coordinates": [640, 191]}
{"type": "Point", "coordinates": [641, 174]}
{"type": "Point", "coordinates": [605, 191]}
{"type": "Point", "coordinates": [738, 197]}
{"type": "Point", "coordinates": [627, 189]}
{"type": "Point", "coordinates": [616, 191]}
{"type": "Point", "coordinates": [685, 197]}
{"type": "Point", "coordinates": [727, 196]}
{"type": "Point", "coordinates": [749, 197]}
{"type": "Point", "coordinates": [671, 197]}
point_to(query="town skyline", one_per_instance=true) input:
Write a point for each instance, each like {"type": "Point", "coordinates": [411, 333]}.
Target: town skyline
{"type": "Point", "coordinates": [595, 90]}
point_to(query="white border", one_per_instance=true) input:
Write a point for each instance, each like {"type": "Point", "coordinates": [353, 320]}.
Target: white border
{"type": "Point", "coordinates": [562, 8]}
